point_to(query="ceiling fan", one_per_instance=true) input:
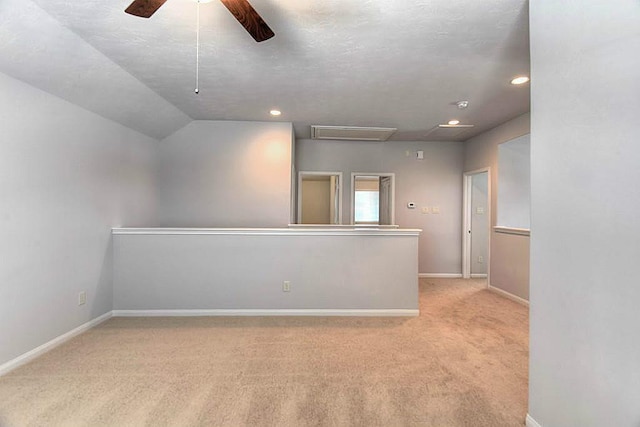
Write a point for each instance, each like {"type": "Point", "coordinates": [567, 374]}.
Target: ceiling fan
{"type": "Point", "coordinates": [240, 9]}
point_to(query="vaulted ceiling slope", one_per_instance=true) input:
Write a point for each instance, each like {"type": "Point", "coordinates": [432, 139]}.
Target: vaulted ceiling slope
{"type": "Point", "coordinates": [37, 49]}
{"type": "Point", "coordinates": [334, 62]}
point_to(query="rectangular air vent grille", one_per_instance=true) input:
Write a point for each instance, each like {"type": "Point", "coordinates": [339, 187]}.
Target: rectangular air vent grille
{"type": "Point", "coordinates": [447, 132]}
{"type": "Point", "coordinates": [351, 133]}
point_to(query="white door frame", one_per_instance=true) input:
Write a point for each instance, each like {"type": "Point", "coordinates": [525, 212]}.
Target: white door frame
{"type": "Point", "coordinates": [467, 183]}
{"type": "Point", "coordinates": [302, 174]}
{"type": "Point", "coordinates": [393, 193]}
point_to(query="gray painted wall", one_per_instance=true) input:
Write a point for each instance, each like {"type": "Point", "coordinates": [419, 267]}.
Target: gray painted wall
{"type": "Point", "coordinates": [585, 149]}
{"type": "Point", "coordinates": [509, 269]}
{"type": "Point", "coordinates": [66, 177]}
{"type": "Point", "coordinates": [434, 181]}
{"type": "Point", "coordinates": [246, 271]}
{"type": "Point", "coordinates": [226, 174]}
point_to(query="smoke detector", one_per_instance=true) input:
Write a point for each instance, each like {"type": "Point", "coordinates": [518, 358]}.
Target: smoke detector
{"type": "Point", "coordinates": [462, 104]}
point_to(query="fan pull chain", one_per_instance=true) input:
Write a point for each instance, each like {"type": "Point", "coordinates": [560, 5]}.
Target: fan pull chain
{"type": "Point", "coordinates": [197, 91]}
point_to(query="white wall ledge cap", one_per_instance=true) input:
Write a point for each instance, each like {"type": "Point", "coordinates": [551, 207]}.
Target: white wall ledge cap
{"type": "Point", "coordinates": [373, 226]}
{"type": "Point", "coordinates": [269, 231]}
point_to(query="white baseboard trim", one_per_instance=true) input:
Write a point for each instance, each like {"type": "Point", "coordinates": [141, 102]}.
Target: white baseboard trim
{"type": "Point", "coordinates": [508, 295]}
{"type": "Point", "coordinates": [479, 276]}
{"type": "Point", "coordinates": [439, 275]}
{"type": "Point", "coordinates": [530, 422]}
{"type": "Point", "coordinates": [38, 351]}
{"type": "Point", "coordinates": [268, 312]}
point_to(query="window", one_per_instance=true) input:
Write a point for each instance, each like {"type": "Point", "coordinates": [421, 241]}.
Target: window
{"type": "Point", "coordinates": [514, 183]}
{"type": "Point", "coordinates": [367, 207]}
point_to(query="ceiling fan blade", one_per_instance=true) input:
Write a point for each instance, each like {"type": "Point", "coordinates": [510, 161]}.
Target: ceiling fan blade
{"type": "Point", "coordinates": [144, 8]}
{"type": "Point", "coordinates": [250, 19]}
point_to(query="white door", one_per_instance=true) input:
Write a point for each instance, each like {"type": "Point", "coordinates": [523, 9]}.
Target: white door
{"type": "Point", "coordinates": [384, 217]}
{"type": "Point", "coordinates": [477, 224]}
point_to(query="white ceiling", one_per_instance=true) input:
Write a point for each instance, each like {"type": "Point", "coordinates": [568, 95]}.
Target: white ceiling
{"type": "Point", "coordinates": [387, 63]}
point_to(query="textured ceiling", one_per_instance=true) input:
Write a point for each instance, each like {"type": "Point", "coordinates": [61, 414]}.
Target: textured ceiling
{"type": "Point", "coordinates": [334, 62]}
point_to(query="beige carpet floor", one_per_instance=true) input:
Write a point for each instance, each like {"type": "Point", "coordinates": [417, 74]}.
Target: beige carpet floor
{"type": "Point", "coordinates": [462, 362]}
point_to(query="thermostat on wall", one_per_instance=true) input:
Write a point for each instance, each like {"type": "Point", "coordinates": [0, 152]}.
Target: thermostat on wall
{"type": "Point", "coordinates": [411, 205]}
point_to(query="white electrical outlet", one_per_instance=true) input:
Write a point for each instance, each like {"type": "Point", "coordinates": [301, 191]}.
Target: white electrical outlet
{"type": "Point", "coordinates": [286, 286]}
{"type": "Point", "coordinates": [435, 210]}
{"type": "Point", "coordinates": [480, 259]}
{"type": "Point", "coordinates": [425, 210]}
{"type": "Point", "coordinates": [82, 298]}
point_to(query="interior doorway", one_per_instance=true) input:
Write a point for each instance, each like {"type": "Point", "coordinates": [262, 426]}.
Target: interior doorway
{"type": "Point", "coordinates": [372, 198]}
{"type": "Point", "coordinates": [476, 245]}
{"type": "Point", "coordinates": [319, 195]}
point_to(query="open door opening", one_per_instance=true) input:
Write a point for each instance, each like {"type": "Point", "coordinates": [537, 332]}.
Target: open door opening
{"type": "Point", "coordinates": [477, 224]}
{"type": "Point", "coordinates": [372, 199]}
{"type": "Point", "coordinates": [319, 195]}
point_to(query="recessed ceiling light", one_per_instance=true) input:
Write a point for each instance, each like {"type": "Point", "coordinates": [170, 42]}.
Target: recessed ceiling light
{"type": "Point", "coordinates": [519, 80]}
{"type": "Point", "coordinates": [275, 112]}
{"type": "Point", "coordinates": [454, 122]}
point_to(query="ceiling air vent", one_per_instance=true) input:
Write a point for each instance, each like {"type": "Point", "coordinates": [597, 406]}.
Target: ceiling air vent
{"type": "Point", "coordinates": [447, 131]}
{"type": "Point", "coordinates": [351, 133]}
